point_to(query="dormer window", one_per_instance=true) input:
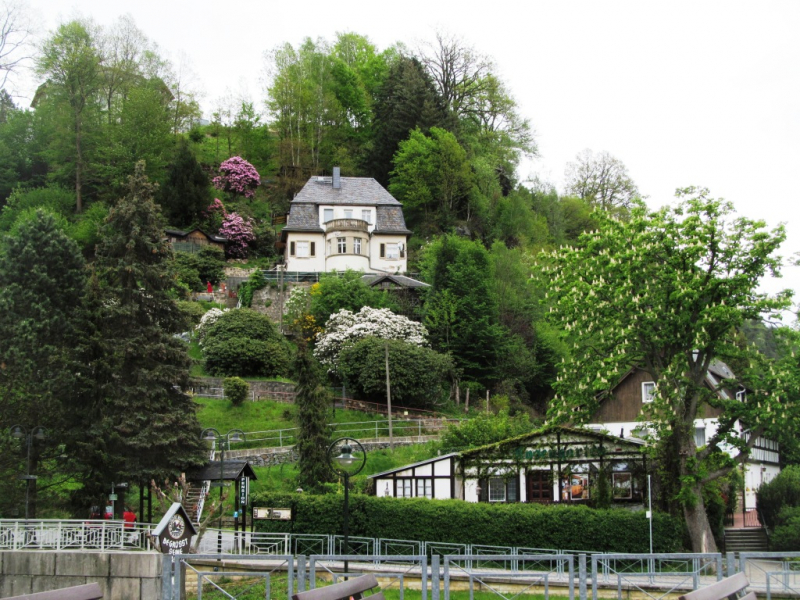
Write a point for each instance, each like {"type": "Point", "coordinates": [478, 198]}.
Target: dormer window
{"type": "Point", "coordinates": [327, 215]}
{"type": "Point", "coordinates": [648, 391]}
{"type": "Point", "coordinates": [348, 213]}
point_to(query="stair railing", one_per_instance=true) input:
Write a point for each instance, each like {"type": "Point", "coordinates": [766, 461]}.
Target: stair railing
{"type": "Point", "coordinates": [205, 487]}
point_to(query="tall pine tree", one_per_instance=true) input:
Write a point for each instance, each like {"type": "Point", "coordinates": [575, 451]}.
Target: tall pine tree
{"type": "Point", "coordinates": [186, 190]}
{"type": "Point", "coordinates": [141, 424]}
{"type": "Point", "coordinates": [313, 437]}
{"type": "Point", "coordinates": [44, 277]}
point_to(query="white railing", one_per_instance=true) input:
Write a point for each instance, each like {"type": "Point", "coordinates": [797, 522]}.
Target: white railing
{"type": "Point", "coordinates": [51, 534]}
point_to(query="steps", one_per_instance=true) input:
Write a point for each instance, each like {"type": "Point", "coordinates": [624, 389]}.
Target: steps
{"type": "Point", "coordinates": [192, 503]}
{"type": "Point", "coordinates": [747, 539]}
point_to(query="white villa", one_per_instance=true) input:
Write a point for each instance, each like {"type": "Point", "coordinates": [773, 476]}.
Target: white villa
{"type": "Point", "coordinates": [338, 223]}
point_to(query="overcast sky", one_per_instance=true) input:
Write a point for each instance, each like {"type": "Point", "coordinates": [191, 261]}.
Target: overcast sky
{"type": "Point", "coordinates": [684, 93]}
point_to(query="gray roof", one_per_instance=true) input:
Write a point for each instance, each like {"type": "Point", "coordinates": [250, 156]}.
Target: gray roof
{"type": "Point", "coordinates": [399, 280]}
{"type": "Point", "coordinates": [303, 217]}
{"type": "Point", "coordinates": [231, 470]}
{"type": "Point", "coordinates": [354, 190]}
{"type": "Point", "coordinates": [390, 220]}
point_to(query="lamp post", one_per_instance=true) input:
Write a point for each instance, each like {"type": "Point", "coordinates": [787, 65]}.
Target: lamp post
{"type": "Point", "coordinates": [211, 434]}
{"type": "Point", "coordinates": [346, 457]}
{"type": "Point", "coordinates": [39, 433]}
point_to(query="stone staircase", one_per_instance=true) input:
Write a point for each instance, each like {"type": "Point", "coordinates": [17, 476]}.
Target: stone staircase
{"type": "Point", "coordinates": [746, 539]}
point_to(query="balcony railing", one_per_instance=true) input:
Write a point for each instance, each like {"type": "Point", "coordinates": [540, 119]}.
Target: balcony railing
{"type": "Point", "coordinates": [346, 225]}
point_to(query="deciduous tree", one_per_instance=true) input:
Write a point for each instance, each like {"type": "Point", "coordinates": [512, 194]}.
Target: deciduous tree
{"type": "Point", "coordinates": [663, 292]}
{"type": "Point", "coordinates": [601, 180]}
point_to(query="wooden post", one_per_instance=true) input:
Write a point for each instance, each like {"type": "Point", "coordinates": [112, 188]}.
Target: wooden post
{"type": "Point", "coordinates": [487, 401]}
{"type": "Point", "coordinates": [466, 401]}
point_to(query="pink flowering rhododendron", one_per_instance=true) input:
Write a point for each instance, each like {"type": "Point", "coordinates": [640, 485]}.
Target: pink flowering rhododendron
{"type": "Point", "coordinates": [237, 176]}
{"type": "Point", "coordinates": [239, 232]}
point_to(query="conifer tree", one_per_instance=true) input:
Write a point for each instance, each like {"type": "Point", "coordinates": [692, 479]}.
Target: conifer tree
{"type": "Point", "coordinates": [43, 275]}
{"type": "Point", "coordinates": [313, 436]}
{"type": "Point", "coordinates": [141, 423]}
{"type": "Point", "coordinates": [186, 190]}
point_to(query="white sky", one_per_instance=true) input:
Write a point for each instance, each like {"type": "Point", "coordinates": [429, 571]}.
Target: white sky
{"type": "Point", "coordinates": [683, 92]}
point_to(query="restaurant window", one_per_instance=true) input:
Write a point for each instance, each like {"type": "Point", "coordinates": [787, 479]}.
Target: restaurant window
{"type": "Point", "coordinates": [341, 244]}
{"type": "Point", "coordinates": [424, 488]}
{"type": "Point", "coordinates": [622, 486]}
{"type": "Point", "coordinates": [404, 489]}
{"type": "Point", "coordinates": [497, 489]}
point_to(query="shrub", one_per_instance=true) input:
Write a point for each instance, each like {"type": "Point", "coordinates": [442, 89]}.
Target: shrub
{"type": "Point", "coordinates": [236, 390]}
{"type": "Point", "coordinates": [348, 291]}
{"type": "Point", "coordinates": [192, 310]}
{"type": "Point", "coordinates": [459, 522]}
{"type": "Point", "coordinates": [239, 233]}
{"type": "Point", "coordinates": [417, 374]}
{"type": "Point", "coordinates": [786, 535]}
{"type": "Point", "coordinates": [242, 323]}
{"type": "Point", "coordinates": [782, 491]}
{"type": "Point", "coordinates": [486, 428]}
{"type": "Point", "coordinates": [256, 281]}
{"type": "Point", "coordinates": [246, 357]}
{"type": "Point", "coordinates": [207, 320]}
{"type": "Point", "coordinates": [237, 176]}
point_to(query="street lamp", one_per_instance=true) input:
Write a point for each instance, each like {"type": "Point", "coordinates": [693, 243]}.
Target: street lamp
{"type": "Point", "coordinates": [346, 457]}
{"type": "Point", "coordinates": [211, 434]}
{"type": "Point", "coordinates": [39, 433]}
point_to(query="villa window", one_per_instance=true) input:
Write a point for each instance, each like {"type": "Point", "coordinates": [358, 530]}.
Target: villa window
{"type": "Point", "coordinates": [348, 213]}
{"type": "Point", "coordinates": [366, 215]}
{"type": "Point", "coordinates": [392, 251]}
{"type": "Point", "coordinates": [341, 244]}
{"type": "Point", "coordinates": [327, 215]}
{"type": "Point", "coordinates": [302, 249]}
{"type": "Point", "coordinates": [699, 436]}
{"type": "Point", "coordinates": [648, 391]}
{"type": "Point", "coordinates": [356, 245]}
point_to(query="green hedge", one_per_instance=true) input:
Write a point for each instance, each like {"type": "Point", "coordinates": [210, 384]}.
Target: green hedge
{"type": "Point", "coordinates": [455, 521]}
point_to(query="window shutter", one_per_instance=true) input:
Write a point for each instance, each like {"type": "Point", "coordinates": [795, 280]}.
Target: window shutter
{"type": "Point", "coordinates": [291, 248]}
{"type": "Point", "coordinates": [313, 251]}
{"type": "Point", "coordinates": [383, 250]}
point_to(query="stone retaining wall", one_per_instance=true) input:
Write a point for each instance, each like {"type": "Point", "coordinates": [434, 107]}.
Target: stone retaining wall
{"type": "Point", "coordinates": [261, 388]}
{"type": "Point", "coordinates": [121, 575]}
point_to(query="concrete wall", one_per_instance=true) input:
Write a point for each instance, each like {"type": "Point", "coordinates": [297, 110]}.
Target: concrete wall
{"type": "Point", "coordinates": [121, 575]}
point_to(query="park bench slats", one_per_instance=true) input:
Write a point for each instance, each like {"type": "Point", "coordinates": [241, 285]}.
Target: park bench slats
{"type": "Point", "coordinates": [90, 591]}
{"type": "Point", "coordinates": [354, 588]}
{"type": "Point", "coordinates": [730, 586]}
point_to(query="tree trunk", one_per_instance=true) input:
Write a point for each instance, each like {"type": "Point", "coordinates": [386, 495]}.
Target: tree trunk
{"type": "Point", "coordinates": [697, 524]}
{"type": "Point", "coordinates": [78, 166]}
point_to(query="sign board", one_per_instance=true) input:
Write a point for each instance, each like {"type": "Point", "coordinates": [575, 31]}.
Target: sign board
{"type": "Point", "coordinates": [112, 497]}
{"type": "Point", "coordinates": [275, 514]}
{"type": "Point", "coordinates": [244, 491]}
{"type": "Point", "coordinates": [174, 532]}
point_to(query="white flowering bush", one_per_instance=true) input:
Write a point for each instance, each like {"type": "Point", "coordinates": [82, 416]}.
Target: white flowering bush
{"type": "Point", "coordinates": [207, 320]}
{"type": "Point", "coordinates": [344, 328]}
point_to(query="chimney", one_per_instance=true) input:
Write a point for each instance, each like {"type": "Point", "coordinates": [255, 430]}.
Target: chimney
{"type": "Point", "coordinates": [337, 181]}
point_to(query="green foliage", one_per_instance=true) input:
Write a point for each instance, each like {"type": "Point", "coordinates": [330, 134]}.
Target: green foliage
{"type": "Point", "coordinates": [192, 311]}
{"type": "Point", "coordinates": [459, 522]}
{"type": "Point", "coordinates": [786, 535]}
{"type": "Point", "coordinates": [255, 282]}
{"type": "Point", "coordinates": [185, 193]}
{"type": "Point", "coordinates": [53, 199]}
{"type": "Point", "coordinates": [461, 309]}
{"type": "Point", "coordinates": [782, 491]}
{"type": "Point", "coordinates": [196, 269]}
{"type": "Point", "coordinates": [419, 376]}
{"type": "Point", "coordinates": [86, 227]}
{"type": "Point", "coordinates": [236, 390]}
{"type": "Point", "coordinates": [313, 436]}
{"type": "Point", "coordinates": [483, 429]}
{"type": "Point", "coordinates": [245, 357]}
{"type": "Point", "coordinates": [242, 323]}
{"type": "Point", "coordinates": [663, 291]}
{"type": "Point", "coordinates": [337, 291]}
{"type": "Point", "coordinates": [135, 422]}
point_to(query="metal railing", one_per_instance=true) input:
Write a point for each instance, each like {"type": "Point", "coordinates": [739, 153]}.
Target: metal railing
{"type": "Point", "coordinates": [46, 534]}
{"type": "Point", "coordinates": [769, 572]}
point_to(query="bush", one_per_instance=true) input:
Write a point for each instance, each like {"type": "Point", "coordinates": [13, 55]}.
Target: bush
{"type": "Point", "coordinates": [236, 390]}
{"type": "Point", "coordinates": [486, 428]}
{"type": "Point", "coordinates": [246, 357]}
{"type": "Point", "coordinates": [242, 323]}
{"type": "Point", "coordinates": [782, 491]}
{"type": "Point", "coordinates": [459, 522]}
{"type": "Point", "coordinates": [256, 281]}
{"type": "Point", "coordinates": [347, 290]}
{"type": "Point", "coordinates": [196, 270]}
{"type": "Point", "coordinates": [192, 310]}
{"type": "Point", "coordinates": [786, 535]}
{"type": "Point", "coordinates": [418, 375]}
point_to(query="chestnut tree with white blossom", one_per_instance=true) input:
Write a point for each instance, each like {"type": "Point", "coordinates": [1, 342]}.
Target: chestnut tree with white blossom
{"type": "Point", "coordinates": [665, 291]}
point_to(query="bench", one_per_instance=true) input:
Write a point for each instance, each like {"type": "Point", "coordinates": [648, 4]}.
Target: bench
{"type": "Point", "coordinates": [90, 591]}
{"type": "Point", "coordinates": [352, 588]}
{"type": "Point", "coordinates": [725, 588]}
